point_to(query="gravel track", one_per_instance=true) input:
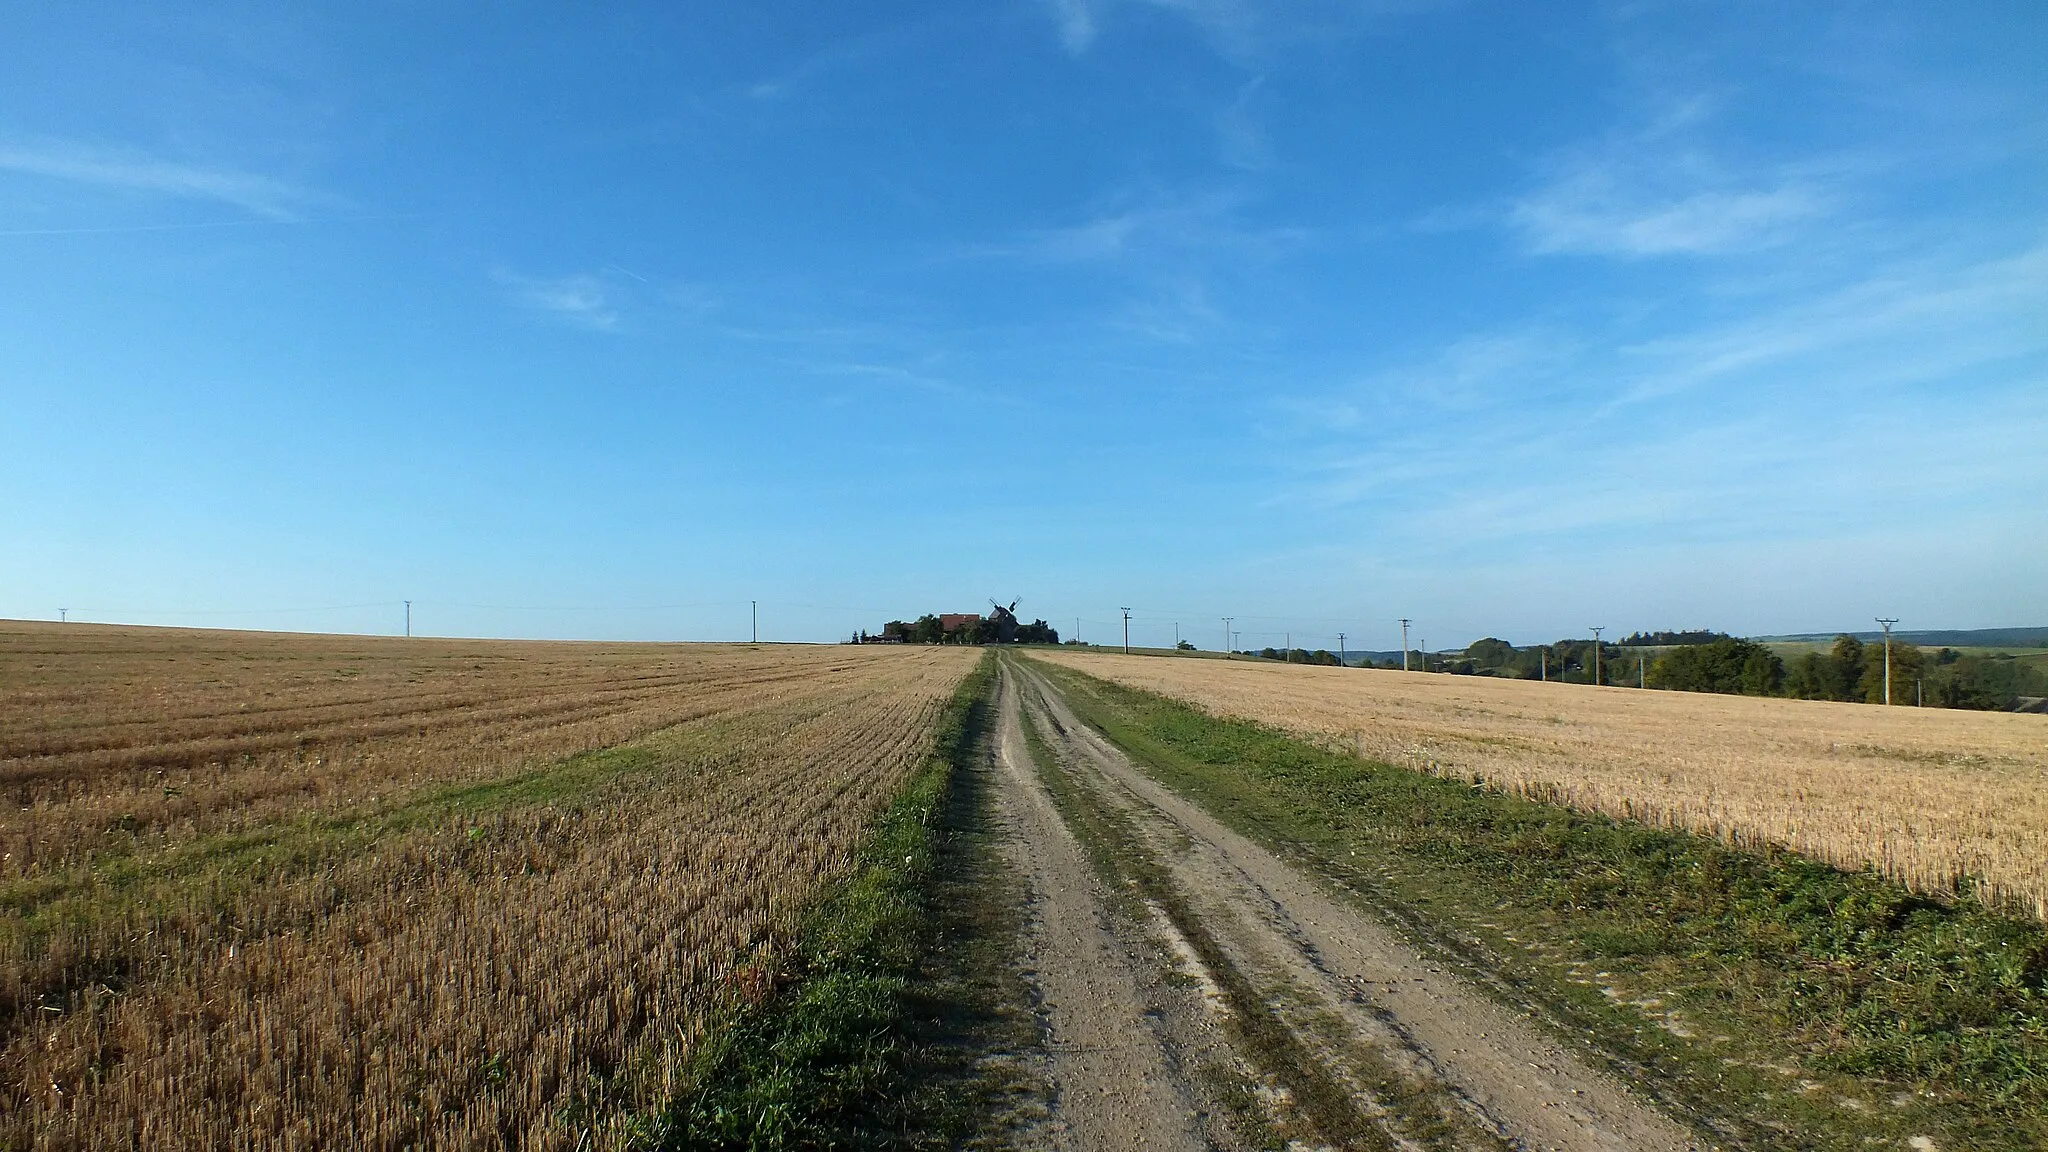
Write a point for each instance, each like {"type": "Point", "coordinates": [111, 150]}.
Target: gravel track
{"type": "Point", "coordinates": [1472, 1074]}
{"type": "Point", "coordinates": [1114, 1068]}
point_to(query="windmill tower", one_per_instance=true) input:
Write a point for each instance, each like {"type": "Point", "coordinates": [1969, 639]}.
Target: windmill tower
{"type": "Point", "coordinates": [1003, 621]}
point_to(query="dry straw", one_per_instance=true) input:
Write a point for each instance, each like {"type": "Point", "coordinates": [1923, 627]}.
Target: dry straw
{"type": "Point", "coordinates": [1928, 797]}
{"type": "Point", "coordinates": [220, 927]}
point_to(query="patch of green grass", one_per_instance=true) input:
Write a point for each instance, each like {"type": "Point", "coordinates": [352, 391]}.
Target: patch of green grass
{"type": "Point", "coordinates": [1778, 1000]}
{"type": "Point", "coordinates": [839, 1052]}
{"type": "Point", "coordinates": [1238, 1094]}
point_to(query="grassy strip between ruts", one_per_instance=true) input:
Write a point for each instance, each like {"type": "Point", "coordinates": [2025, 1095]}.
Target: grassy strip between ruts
{"type": "Point", "coordinates": [1780, 1002]}
{"type": "Point", "coordinates": [822, 1047]}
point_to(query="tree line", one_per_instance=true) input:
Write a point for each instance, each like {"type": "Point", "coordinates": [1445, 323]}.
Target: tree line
{"type": "Point", "coordinates": [1849, 669]}
{"type": "Point", "coordinates": [1292, 655]}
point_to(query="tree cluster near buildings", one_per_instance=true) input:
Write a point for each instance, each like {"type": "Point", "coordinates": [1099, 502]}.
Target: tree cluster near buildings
{"type": "Point", "coordinates": [961, 628]}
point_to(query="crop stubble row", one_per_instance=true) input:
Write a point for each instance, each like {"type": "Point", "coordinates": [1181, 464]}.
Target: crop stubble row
{"type": "Point", "coordinates": [110, 734]}
{"type": "Point", "coordinates": [460, 980]}
{"type": "Point", "coordinates": [1924, 796]}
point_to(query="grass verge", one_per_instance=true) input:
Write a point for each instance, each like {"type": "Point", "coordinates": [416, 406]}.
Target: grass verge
{"type": "Point", "coordinates": [1776, 1000]}
{"type": "Point", "coordinates": [853, 1037]}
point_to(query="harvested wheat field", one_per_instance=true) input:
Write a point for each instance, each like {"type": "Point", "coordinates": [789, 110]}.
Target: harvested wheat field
{"type": "Point", "coordinates": [265, 890]}
{"type": "Point", "coordinates": [1924, 796]}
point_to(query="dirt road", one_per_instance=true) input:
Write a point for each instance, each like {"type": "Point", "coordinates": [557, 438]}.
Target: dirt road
{"type": "Point", "coordinates": [1119, 1037]}
{"type": "Point", "coordinates": [1230, 962]}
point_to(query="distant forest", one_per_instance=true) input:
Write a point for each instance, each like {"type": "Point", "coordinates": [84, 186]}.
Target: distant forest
{"type": "Point", "coordinates": [1936, 638]}
{"type": "Point", "coordinates": [1697, 661]}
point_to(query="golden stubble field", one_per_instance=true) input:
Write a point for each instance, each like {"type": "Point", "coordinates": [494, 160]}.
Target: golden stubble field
{"type": "Point", "coordinates": [1924, 796]}
{"type": "Point", "coordinates": [272, 891]}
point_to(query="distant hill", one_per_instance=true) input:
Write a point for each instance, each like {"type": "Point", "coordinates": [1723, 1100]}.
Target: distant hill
{"type": "Point", "coordinates": [1952, 638]}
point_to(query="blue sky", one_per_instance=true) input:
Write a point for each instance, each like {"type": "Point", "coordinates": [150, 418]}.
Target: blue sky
{"type": "Point", "coordinates": [1508, 318]}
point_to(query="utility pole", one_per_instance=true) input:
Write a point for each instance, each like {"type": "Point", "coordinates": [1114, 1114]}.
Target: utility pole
{"type": "Point", "coordinates": [1226, 634]}
{"type": "Point", "coordinates": [1596, 653]}
{"type": "Point", "coordinates": [1127, 630]}
{"type": "Point", "coordinates": [1343, 661]}
{"type": "Point", "coordinates": [1404, 644]}
{"type": "Point", "coordinates": [1886, 623]}
{"type": "Point", "coordinates": [757, 620]}
{"type": "Point", "coordinates": [408, 619]}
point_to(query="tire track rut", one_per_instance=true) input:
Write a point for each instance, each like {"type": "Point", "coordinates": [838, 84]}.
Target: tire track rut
{"type": "Point", "coordinates": [1117, 1077]}
{"type": "Point", "coordinates": [1437, 1063]}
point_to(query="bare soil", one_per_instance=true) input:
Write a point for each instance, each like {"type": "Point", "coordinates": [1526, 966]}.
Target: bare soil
{"type": "Point", "coordinates": [1430, 1060]}
{"type": "Point", "coordinates": [1118, 1038]}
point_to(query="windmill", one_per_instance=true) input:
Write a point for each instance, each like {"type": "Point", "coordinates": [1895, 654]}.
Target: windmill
{"type": "Point", "coordinates": [1003, 621]}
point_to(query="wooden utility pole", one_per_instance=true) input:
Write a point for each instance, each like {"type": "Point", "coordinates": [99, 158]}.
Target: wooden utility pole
{"type": "Point", "coordinates": [1886, 623]}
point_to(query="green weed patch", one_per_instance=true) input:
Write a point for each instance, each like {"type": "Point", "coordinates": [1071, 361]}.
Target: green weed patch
{"type": "Point", "coordinates": [825, 1058]}
{"type": "Point", "coordinates": [1779, 1001]}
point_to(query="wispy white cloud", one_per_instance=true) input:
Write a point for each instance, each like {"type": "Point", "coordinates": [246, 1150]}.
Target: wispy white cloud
{"type": "Point", "coordinates": [1818, 412]}
{"type": "Point", "coordinates": [1483, 369]}
{"type": "Point", "coordinates": [1140, 229]}
{"type": "Point", "coordinates": [580, 299]}
{"type": "Point", "coordinates": [1930, 320]}
{"type": "Point", "coordinates": [1244, 31]}
{"type": "Point", "coordinates": [134, 171]}
{"type": "Point", "coordinates": [919, 379]}
{"type": "Point", "coordinates": [850, 54]}
{"type": "Point", "coordinates": [1612, 208]}
{"type": "Point", "coordinates": [1076, 22]}
{"type": "Point", "coordinates": [1237, 128]}
{"type": "Point", "coordinates": [1482, 372]}
{"type": "Point", "coordinates": [1669, 187]}
{"type": "Point", "coordinates": [1160, 268]}
{"type": "Point", "coordinates": [1103, 237]}
{"type": "Point", "coordinates": [1173, 310]}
